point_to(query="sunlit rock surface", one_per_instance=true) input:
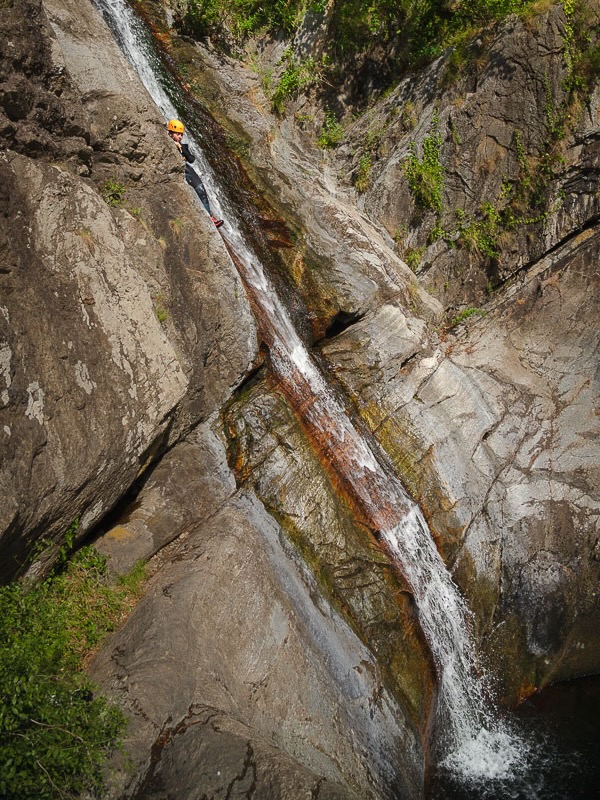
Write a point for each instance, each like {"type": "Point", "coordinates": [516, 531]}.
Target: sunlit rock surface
{"type": "Point", "coordinates": [276, 646]}
{"type": "Point", "coordinates": [123, 327]}
{"type": "Point", "coordinates": [492, 425]}
{"type": "Point", "coordinates": [495, 432]}
{"type": "Point", "coordinates": [120, 328]}
{"type": "Point", "coordinates": [235, 671]}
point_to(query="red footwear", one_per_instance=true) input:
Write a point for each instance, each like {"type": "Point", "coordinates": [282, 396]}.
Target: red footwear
{"type": "Point", "coordinates": [218, 222]}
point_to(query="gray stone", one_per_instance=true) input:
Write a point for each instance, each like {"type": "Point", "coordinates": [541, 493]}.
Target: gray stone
{"type": "Point", "coordinates": [503, 431]}
{"type": "Point", "coordinates": [250, 665]}
{"type": "Point", "coordinates": [233, 670]}
{"type": "Point", "coordinates": [93, 385]}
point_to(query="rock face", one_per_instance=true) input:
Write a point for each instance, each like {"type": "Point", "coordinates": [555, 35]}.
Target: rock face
{"type": "Point", "coordinates": [518, 155]}
{"type": "Point", "coordinates": [520, 158]}
{"type": "Point", "coordinates": [495, 435]}
{"type": "Point", "coordinates": [277, 651]}
{"type": "Point", "coordinates": [341, 265]}
{"type": "Point", "coordinates": [492, 424]}
{"type": "Point", "coordinates": [236, 674]}
{"type": "Point", "coordinates": [122, 327]}
{"type": "Point", "coordinates": [270, 452]}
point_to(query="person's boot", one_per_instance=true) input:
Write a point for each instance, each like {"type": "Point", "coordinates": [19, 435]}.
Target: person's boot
{"type": "Point", "coordinates": [218, 222]}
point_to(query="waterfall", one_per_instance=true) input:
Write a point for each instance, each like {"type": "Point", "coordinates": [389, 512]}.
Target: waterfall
{"type": "Point", "coordinates": [476, 743]}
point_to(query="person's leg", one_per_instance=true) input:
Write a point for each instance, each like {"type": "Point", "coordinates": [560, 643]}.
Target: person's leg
{"type": "Point", "coordinates": [194, 180]}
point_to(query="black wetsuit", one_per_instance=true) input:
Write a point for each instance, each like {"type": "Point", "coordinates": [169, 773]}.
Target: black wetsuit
{"type": "Point", "coordinates": [192, 177]}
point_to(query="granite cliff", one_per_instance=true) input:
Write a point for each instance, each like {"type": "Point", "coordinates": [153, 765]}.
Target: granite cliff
{"type": "Point", "coordinates": [276, 651]}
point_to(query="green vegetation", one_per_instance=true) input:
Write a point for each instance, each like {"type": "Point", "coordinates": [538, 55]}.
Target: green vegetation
{"type": "Point", "coordinates": [161, 310]}
{"type": "Point", "coordinates": [412, 32]}
{"type": "Point", "coordinates": [370, 152]}
{"type": "Point", "coordinates": [362, 181]}
{"type": "Point", "coordinates": [481, 235]}
{"type": "Point", "coordinates": [113, 192]}
{"type": "Point", "coordinates": [569, 9]}
{"type": "Point", "coordinates": [419, 29]}
{"type": "Point", "coordinates": [466, 313]}
{"type": "Point", "coordinates": [55, 732]}
{"type": "Point", "coordinates": [240, 18]}
{"type": "Point", "coordinates": [296, 76]}
{"type": "Point", "coordinates": [423, 28]}
{"type": "Point", "coordinates": [522, 201]}
{"type": "Point", "coordinates": [400, 235]}
{"type": "Point", "coordinates": [177, 224]}
{"type": "Point", "coordinates": [413, 257]}
{"type": "Point", "coordinates": [581, 47]}
{"type": "Point", "coordinates": [525, 198]}
{"type": "Point", "coordinates": [332, 131]}
{"type": "Point", "coordinates": [426, 175]}
{"type": "Point", "coordinates": [199, 19]}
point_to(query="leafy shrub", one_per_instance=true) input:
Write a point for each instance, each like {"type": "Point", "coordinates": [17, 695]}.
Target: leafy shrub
{"type": "Point", "coordinates": [113, 192]}
{"type": "Point", "coordinates": [423, 28]}
{"type": "Point", "coordinates": [332, 132]}
{"type": "Point", "coordinates": [481, 235]}
{"type": "Point", "coordinates": [370, 152]}
{"type": "Point", "coordinates": [466, 313]}
{"type": "Point", "coordinates": [358, 24]}
{"type": "Point", "coordinates": [55, 732]}
{"type": "Point", "coordinates": [362, 180]}
{"type": "Point", "coordinates": [581, 46]}
{"type": "Point", "coordinates": [241, 17]}
{"type": "Point", "coordinates": [413, 257]}
{"type": "Point", "coordinates": [426, 175]}
{"type": "Point", "coordinates": [160, 309]}
{"type": "Point", "coordinates": [296, 76]}
{"type": "Point", "coordinates": [200, 18]}
{"type": "Point", "coordinates": [415, 31]}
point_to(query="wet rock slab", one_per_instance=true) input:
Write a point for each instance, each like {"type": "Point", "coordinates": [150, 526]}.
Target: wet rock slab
{"type": "Point", "coordinates": [495, 433]}
{"type": "Point", "coordinates": [235, 670]}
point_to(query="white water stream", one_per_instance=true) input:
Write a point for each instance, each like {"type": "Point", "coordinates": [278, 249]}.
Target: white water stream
{"type": "Point", "coordinates": [476, 744]}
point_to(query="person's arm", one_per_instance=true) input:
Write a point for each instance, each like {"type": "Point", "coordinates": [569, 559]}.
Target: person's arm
{"type": "Point", "coordinates": [187, 153]}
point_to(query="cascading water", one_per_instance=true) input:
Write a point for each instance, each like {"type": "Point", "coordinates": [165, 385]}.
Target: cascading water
{"type": "Point", "coordinates": [476, 743]}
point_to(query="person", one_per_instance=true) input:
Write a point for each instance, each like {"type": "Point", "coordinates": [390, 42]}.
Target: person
{"type": "Point", "coordinates": [176, 129]}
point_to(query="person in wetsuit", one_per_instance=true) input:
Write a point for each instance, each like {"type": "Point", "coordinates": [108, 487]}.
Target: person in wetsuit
{"type": "Point", "coordinates": [176, 129]}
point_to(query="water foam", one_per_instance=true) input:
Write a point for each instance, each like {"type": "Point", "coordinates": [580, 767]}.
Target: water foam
{"type": "Point", "coordinates": [477, 744]}
{"type": "Point", "coordinates": [497, 755]}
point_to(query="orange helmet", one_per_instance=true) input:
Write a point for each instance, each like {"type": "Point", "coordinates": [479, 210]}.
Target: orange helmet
{"type": "Point", "coordinates": [175, 126]}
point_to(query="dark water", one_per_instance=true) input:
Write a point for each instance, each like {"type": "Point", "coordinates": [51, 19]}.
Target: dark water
{"type": "Point", "coordinates": [562, 725]}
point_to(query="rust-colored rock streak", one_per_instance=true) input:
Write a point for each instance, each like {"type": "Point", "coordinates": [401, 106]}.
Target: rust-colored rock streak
{"type": "Point", "coordinates": [378, 499]}
{"type": "Point", "coordinates": [374, 492]}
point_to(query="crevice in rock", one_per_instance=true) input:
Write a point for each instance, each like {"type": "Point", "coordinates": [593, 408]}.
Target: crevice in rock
{"type": "Point", "coordinates": [249, 766]}
{"type": "Point", "coordinates": [252, 377]}
{"type": "Point", "coordinates": [341, 322]}
{"type": "Point", "coordinates": [591, 223]}
{"type": "Point", "coordinates": [123, 508]}
{"type": "Point", "coordinates": [412, 357]}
